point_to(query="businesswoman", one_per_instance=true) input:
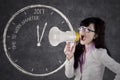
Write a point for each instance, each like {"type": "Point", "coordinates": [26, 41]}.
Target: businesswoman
{"type": "Point", "coordinates": [87, 59]}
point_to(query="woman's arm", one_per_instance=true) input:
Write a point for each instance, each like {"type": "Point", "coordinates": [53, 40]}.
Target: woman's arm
{"type": "Point", "coordinates": [69, 64]}
{"type": "Point", "coordinates": [110, 63]}
{"type": "Point", "coordinates": [69, 68]}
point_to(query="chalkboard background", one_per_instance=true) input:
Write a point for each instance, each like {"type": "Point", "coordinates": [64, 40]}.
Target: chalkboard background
{"type": "Point", "coordinates": [75, 11]}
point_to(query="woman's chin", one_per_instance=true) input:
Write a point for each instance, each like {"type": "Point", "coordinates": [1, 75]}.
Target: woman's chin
{"type": "Point", "coordinates": [82, 42]}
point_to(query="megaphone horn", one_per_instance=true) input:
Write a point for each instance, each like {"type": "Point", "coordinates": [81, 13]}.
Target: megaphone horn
{"type": "Point", "coordinates": [56, 36]}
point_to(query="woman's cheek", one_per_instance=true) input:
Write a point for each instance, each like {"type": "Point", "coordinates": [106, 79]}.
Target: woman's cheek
{"type": "Point", "coordinates": [89, 39]}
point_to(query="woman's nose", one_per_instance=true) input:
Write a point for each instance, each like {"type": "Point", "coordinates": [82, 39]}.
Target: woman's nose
{"type": "Point", "coordinates": [81, 32]}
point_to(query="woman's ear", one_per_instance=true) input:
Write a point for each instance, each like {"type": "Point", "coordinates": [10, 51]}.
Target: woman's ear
{"type": "Point", "coordinates": [96, 35]}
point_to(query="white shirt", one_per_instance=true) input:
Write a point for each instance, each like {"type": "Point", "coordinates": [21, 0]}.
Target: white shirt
{"type": "Point", "coordinates": [93, 68]}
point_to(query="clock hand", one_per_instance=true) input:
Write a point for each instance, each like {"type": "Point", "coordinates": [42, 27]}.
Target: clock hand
{"type": "Point", "coordinates": [38, 36]}
{"type": "Point", "coordinates": [43, 32]}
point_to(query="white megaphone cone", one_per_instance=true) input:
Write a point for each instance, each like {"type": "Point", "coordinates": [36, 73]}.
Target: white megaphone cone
{"type": "Point", "coordinates": [56, 36]}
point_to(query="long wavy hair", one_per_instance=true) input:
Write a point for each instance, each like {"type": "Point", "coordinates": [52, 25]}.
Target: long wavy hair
{"type": "Point", "coordinates": [99, 41]}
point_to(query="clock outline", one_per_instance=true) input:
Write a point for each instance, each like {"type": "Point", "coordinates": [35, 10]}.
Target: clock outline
{"type": "Point", "coordinates": [39, 37]}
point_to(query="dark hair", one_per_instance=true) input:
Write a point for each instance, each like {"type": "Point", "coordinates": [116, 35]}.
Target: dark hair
{"type": "Point", "coordinates": [99, 41]}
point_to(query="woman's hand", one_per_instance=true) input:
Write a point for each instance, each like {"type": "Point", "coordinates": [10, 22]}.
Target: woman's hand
{"type": "Point", "coordinates": [69, 50]}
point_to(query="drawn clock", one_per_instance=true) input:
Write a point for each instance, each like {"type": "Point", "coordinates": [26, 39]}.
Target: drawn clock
{"type": "Point", "coordinates": [26, 43]}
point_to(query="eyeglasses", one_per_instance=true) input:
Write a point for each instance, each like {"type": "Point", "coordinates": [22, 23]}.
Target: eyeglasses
{"type": "Point", "coordinates": [86, 29]}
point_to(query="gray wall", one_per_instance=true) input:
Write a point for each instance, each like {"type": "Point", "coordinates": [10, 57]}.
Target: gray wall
{"type": "Point", "coordinates": [75, 11]}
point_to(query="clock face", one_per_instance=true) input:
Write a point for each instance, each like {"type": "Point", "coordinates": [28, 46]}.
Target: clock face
{"type": "Point", "coordinates": [26, 43]}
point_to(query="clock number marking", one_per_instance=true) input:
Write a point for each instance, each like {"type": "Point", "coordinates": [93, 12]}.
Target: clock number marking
{"type": "Point", "coordinates": [32, 69]}
{"type": "Point", "coordinates": [25, 13]}
{"type": "Point", "coordinates": [60, 61]}
{"type": "Point", "coordinates": [9, 48]}
{"type": "Point", "coordinates": [8, 36]}
{"type": "Point", "coordinates": [13, 23]}
{"type": "Point", "coordinates": [47, 69]}
{"type": "Point", "coordinates": [63, 22]}
{"type": "Point", "coordinates": [16, 60]}
{"type": "Point", "coordinates": [51, 13]}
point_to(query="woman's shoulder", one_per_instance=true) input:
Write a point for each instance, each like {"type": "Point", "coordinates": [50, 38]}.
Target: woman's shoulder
{"type": "Point", "coordinates": [99, 52]}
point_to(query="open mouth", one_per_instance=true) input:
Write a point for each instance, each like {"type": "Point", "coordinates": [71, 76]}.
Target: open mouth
{"type": "Point", "coordinates": [83, 37]}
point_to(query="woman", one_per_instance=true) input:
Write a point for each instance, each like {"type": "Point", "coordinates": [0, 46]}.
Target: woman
{"type": "Point", "coordinates": [87, 59]}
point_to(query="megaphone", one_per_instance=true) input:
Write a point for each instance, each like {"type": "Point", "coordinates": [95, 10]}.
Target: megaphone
{"type": "Point", "coordinates": [56, 36]}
